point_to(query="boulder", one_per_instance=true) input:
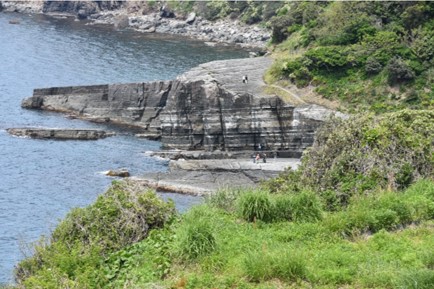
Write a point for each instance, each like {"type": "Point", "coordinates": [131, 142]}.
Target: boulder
{"type": "Point", "coordinates": [123, 173]}
{"type": "Point", "coordinates": [191, 17]}
{"type": "Point", "coordinates": [121, 22]}
{"type": "Point", "coordinates": [166, 12]}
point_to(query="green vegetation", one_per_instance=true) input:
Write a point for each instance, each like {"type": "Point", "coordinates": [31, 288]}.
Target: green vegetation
{"type": "Point", "coordinates": [364, 153]}
{"type": "Point", "coordinates": [74, 256]}
{"type": "Point", "coordinates": [359, 213]}
{"type": "Point", "coordinates": [374, 55]}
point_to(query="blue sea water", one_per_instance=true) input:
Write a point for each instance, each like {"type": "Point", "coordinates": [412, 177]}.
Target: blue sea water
{"type": "Point", "coordinates": [41, 180]}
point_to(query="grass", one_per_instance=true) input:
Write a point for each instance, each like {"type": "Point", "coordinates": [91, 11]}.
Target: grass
{"type": "Point", "coordinates": [284, 254]}
{"type": "Point", "coordinates": [381, 240]}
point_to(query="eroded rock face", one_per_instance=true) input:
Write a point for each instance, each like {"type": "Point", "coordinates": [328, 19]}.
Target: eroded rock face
{"type": "Point", "coordinates": [209, 107]}
{"type": "Point", "coordinates": [82, 9]}
{"type": "Point", "coordinates": [136, 104]}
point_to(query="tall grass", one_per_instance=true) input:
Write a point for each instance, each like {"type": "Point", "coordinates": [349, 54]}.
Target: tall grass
{"type": "Point", "coordinates": [255, 206]}
{"type": "Point", "coordinates": [284, 264]}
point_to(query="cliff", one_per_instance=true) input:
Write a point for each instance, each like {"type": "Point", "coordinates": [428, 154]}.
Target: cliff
{"type": "Point", "coordinates": [208, 107]}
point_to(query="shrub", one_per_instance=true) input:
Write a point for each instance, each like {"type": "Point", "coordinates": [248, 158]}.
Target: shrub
{"type": "Point", "coordinates": [373, 66]}
{"type": "Point", "coordinates": [328, 57]}
{"type": "Point", "coordinates": [364, 152]}
{"type": "Point", "coordinates": [404, 176]}
{"type": "Point", "coordinates": [255, 206]}
{"type": "Point", "coordinates": [279, 27]}
{"type": "Point", "coordinates": [120, 217]}
{"type": "Point", "coordinates": [212, 10]}
{"type": "Point", "coordinates": [195, 235]}
{"type": "Point", "coordinates": [196, 239]}
{"type": "Point", "coordinates": [399, 71]}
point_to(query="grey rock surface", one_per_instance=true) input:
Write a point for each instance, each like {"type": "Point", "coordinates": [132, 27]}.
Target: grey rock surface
{"type": "Point", "coordinates": [207, 108]}
{"type": "Point", "coordinates": [60, 134]}
{"type": "Point", "coordinates": [204, 177]}
{"type": "Point", "coordinates": [123, 173]}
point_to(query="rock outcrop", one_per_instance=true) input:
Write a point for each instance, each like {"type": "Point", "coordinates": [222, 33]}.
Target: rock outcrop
{"type": "Point", "coordinates": [123, 173]}
{"type": "Point", "coordinates": [60, 134]}
{"type": "Point", "coordinates": [203, 177]}
{"type": "Point", "coordinates": [208, 108]}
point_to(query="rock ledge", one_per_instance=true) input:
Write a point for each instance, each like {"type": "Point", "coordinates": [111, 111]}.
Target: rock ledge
{"type": "Point", "coordinates": [60, 134]}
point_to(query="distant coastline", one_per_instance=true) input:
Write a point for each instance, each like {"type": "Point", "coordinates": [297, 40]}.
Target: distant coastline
{"type": "Point", "coordinates": [143, 18]}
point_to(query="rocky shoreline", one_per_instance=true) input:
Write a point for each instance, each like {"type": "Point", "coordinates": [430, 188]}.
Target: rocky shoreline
{"type": "Point", "coordinates": [204, 177]}
{"type": "Point", "coordinates": [145, 18]}
{"type": "Point", "coordinates": [209, 113]}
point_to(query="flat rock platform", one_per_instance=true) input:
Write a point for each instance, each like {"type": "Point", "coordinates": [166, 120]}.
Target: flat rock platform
{"type": "Point", "coordinates": [204, 177]}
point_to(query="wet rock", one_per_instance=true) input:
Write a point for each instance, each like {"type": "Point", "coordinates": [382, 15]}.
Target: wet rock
{"type": "Point", "coordinates": [123, 173]}
{"type": "Point", "coordinates": [60, 134]}
{"type": "Point", "coordinates": [121, 22]}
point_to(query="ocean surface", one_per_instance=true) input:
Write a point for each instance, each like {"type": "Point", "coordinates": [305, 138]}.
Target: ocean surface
{"type": "Point", "coordinates": [41, 180]}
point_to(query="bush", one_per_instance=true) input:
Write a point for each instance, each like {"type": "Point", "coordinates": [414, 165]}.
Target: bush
{"type": "Point", "coordinates": [399, 71]}
{"type": "Point", "coordinates": [373, 66]}
{"type": "Point", "coordinates": [279, 27]}
{"type": "Point", "coordinates": [283, 208]}
{"type": "Point", "coordinates": [255, 206]}
{"type": "Point", "coordinates": [364, 152]}
{"type": "Point", "coordinates": [328, 57]}
{"type": "Point", "coordinates": [212, 10]}
{"type": "Point", "coordinates": [224, 199]}
{"type": "Point", "coordinates": [120, 217]}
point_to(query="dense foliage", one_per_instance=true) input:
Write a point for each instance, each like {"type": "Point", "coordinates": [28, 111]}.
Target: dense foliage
{"type": "Point", "coordinates": [72, 257]}
{"type": "Point", "coordinates": [372, 55]}
{"type": "Point", "coordinates": [363, 153]}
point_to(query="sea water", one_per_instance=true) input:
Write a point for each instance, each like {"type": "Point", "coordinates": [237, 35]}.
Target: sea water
{"type": "Point", "coordinates": [41, 180]}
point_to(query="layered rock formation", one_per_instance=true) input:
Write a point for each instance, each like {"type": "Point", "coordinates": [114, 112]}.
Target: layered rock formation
{"type": "Point", "coordinates": [208, 107]}
{"type": "Point", "coordinates": [61, 134]}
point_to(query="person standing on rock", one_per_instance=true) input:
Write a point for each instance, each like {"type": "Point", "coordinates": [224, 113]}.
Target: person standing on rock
{"type": "Point", "coordinates": [258, 157]}
{"type": "Point", "coordinates": [245, 79]}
